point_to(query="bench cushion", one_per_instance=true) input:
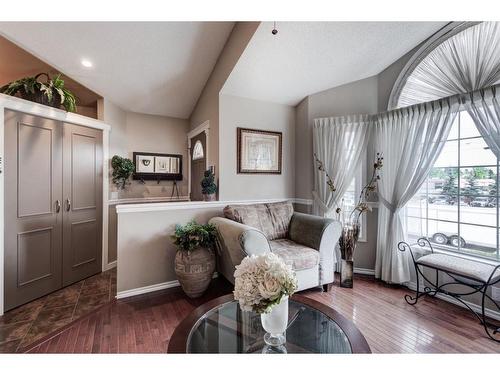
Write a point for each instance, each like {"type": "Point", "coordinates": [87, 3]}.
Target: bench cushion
{"type": "Point", "coordinates": [298, 256]}
{"type": "Point", "coordinates": [460, 266]}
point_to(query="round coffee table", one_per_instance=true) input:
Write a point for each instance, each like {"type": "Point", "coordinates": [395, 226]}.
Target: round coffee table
{"type": "Point", "coordinates": [220, 326]}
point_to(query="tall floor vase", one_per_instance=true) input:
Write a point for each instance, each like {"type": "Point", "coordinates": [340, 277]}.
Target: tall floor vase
{"type": "Point", "coordinates": [347, 243]}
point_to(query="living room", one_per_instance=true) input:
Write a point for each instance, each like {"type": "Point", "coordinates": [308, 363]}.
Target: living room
{"type": "Point", "coordinates": [303, 184]}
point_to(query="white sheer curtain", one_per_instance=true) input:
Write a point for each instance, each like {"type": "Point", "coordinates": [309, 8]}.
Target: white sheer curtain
{"type": "Point", "coordinates": [339, 142]}
{"type": "Point", "coordinates": [468, 61]}
{"type": "Point", "coordinates": [484, 108]}
{"type": "Point", "coordinates": [410, 139]}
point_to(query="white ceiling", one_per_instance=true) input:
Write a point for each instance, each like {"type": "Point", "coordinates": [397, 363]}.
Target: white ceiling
{"type": "Point", "coordinates": [156, 68]}
{"type": "Point", "coordinates": [308, 57]}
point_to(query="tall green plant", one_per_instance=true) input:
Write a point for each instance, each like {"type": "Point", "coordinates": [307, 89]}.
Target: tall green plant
{"type": "Point", "coordinates": [52, 92]}
{"type": "Point", "coordinates": [122, 170]}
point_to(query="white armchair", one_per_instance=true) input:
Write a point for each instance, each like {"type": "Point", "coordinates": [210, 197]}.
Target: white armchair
{"type": "Point", "coordinates": [306, 242]}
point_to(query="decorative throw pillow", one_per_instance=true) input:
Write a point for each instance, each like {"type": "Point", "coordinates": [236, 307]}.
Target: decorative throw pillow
{"type": "Point", "coordinates": [281, 215]}
{"type": "Point", "coordinates": [253, 215]}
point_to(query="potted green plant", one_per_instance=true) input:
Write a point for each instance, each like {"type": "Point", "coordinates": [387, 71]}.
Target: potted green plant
{"type": "Point", "coordinates": [122, 169]}
{"type": "Point", "coordinates": [50, 92]}
{"type": "Point", "coordinates": [208, 186]}
{"type": "Point", "coordinates": [195, 257]}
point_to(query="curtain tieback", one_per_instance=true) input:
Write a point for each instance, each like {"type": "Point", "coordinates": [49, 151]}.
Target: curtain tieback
{"type": "Point", "coordinates": [320, 203]}
{"type": "Point", "coordinates": [391, 207]}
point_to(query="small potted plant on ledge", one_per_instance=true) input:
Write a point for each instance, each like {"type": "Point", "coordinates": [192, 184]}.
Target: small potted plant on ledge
{"type": "Point", "coordinates": [263, 284]}
{"type": "Point", "coordinates": [208, 186]}
{"type": "Point", "coordinates": [195, 258]}
{"type": "Point", "coordinates": [50, 91]}
{"type": "Point", "coordinates": [122, 170]}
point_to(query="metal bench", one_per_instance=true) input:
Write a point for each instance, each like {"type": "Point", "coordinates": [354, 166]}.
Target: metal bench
{"type": "Point", "coordinates": [477, 276]}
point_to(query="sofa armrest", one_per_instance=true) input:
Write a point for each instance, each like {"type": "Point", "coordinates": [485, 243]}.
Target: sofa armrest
{"type": "Point", "coordinates": [236, 241]}
{"type": "Point", "coordinates": [309, 230]}
{"type": "Point", "coordinates": [321, 234]}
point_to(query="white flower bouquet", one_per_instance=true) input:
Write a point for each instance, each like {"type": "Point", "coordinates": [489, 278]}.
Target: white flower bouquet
{"type": "Point", "coordinates": [261, 281]}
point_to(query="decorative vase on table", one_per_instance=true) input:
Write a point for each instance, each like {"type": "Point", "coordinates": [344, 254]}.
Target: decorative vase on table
{"type": "Point", "coordinates": [195, 258]}
{"type": "Point", "coordinates": [275, 323]}
{"type": "Point", "coordinates": [262, 284]}
{"type": "Point", "coordinates": [347, 244]}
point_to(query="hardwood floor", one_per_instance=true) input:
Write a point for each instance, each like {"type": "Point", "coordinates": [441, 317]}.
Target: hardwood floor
{"type": "Point", "coordinates": [145, 323]}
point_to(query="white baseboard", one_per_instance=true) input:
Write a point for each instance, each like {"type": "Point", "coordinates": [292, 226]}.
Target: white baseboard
{"type": "Point", "coordinates": [152, 288]}
{"type": "Point", "coordinates": [477, 308]}
{"type": "Point", "coordinates": [109, 266]}
{"type": "Point", "coordinates": [364, 271]}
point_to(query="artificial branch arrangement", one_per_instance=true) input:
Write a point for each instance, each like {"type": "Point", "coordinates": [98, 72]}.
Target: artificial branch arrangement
{"type": "Point", "coordinates": [361, 205]}
{"type": "Point", "coordinates": [350, 226]}
{"type": "Point", "coordinates": [50, 92]}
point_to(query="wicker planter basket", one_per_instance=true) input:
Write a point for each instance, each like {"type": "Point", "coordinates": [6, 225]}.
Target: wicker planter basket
{"type": "Point", "coordinates": [195, 270]}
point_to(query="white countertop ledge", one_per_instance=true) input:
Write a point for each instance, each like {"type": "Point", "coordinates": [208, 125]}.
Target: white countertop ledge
{"type": "Point", "coordinates": [171, 206]}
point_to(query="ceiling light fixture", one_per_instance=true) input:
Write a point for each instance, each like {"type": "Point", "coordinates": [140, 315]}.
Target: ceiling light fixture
{"type": "Point", "coordinates": [275, 31]}
{"type": "Point", "coordinates": [87, 63]}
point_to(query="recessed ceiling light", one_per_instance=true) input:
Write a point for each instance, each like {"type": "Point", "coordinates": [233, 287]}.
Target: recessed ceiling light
{"type": "Point", "coordinates": [87, 63]}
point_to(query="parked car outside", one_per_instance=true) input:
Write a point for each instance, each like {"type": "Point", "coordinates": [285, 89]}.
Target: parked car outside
{"type": "Point", "coordinates": [481, 202]}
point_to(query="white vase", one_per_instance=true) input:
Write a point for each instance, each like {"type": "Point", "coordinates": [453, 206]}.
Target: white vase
{"type": "Point", "coordinates": [275, 323]}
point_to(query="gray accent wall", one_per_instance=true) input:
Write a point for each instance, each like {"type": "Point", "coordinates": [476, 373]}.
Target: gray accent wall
{"type": "Point", "coordinates": [247, 113]}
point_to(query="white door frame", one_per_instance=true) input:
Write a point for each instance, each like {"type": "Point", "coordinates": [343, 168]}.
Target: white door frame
{"type": "Point", "coordinates": [204, 127]}
{"type": "Point", "coordinates": [21, 105]}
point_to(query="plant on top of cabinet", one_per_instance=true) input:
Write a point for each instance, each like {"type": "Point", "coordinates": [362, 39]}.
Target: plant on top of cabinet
{"type": "Point", "coordinates": [122, 170]}
{"type": "Point", "coordinates": [49, 92]}
{"type": "Point", "coordinates": [208, 186]}
{"type": "Point", "coordinates": [195, 257]}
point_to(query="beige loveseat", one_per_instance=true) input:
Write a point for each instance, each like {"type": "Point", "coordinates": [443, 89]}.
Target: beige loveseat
{"type": "Point", "coordinates": [306, 242]}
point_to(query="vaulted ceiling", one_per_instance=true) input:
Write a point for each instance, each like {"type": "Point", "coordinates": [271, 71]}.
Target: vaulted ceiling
{"type": "Point", "coordinates": [307, 57]}
{"type": "Point", "coordinates": [161, 67]}
{"type": "Point", "coordinates": [148, 67]}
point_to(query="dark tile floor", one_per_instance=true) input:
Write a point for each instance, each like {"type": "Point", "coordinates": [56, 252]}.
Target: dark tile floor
{"type": "Point", "coordinates": [26, 324]}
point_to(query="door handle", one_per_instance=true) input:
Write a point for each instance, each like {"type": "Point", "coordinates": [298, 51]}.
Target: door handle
{"type": "Point", "coordinates": [68, 204]}
{"type": "Point", "coordinates": [58, 206]}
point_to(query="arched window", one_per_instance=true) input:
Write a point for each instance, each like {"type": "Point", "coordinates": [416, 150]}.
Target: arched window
{"type": "Point", "coordinates": [457, 207]}
{"type": "Point", "coordinates": [463, 58]}
{"type": "Point", "coordinates": [198, 151]}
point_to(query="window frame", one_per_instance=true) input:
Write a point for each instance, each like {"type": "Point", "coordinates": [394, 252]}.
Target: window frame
{"type": "Point", "coordinates": [448, 248]}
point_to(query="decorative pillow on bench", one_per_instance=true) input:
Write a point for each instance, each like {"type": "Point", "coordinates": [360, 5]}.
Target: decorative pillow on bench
{"type": "Point", "coordinates": [273, 219]}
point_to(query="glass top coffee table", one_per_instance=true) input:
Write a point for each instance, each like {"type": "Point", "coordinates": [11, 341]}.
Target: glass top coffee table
{"type": "Point", "coordinates": [220, 326]}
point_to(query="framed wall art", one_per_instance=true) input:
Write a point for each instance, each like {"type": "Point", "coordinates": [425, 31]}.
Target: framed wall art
{"type": "Point", "coordinates": [153, 166]}
{"type": "Point", "coordinates": [259, 151]}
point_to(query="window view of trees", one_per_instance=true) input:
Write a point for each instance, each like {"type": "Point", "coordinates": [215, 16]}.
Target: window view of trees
{"type": "Point", "coordinates": [457, 207]}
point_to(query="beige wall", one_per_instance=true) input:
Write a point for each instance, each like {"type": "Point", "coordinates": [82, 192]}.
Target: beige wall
{"type": "Point", "coordinates": [207, 107]}
{"type": "Point", "coordinates": [145, 250]}
{"type": "Point", "coordinates": [247, 113]}
{"type": "Point", "coordinates": [147, 133]}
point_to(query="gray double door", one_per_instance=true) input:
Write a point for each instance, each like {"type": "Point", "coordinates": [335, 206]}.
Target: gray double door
{"type": "Point", "coordinates": [53, 205]}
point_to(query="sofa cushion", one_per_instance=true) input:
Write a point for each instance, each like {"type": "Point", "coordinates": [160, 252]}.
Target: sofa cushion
{"type": "Point", "coordinates": [298, 256]}
{"type": "Point", "coordinates": [273, 219]}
